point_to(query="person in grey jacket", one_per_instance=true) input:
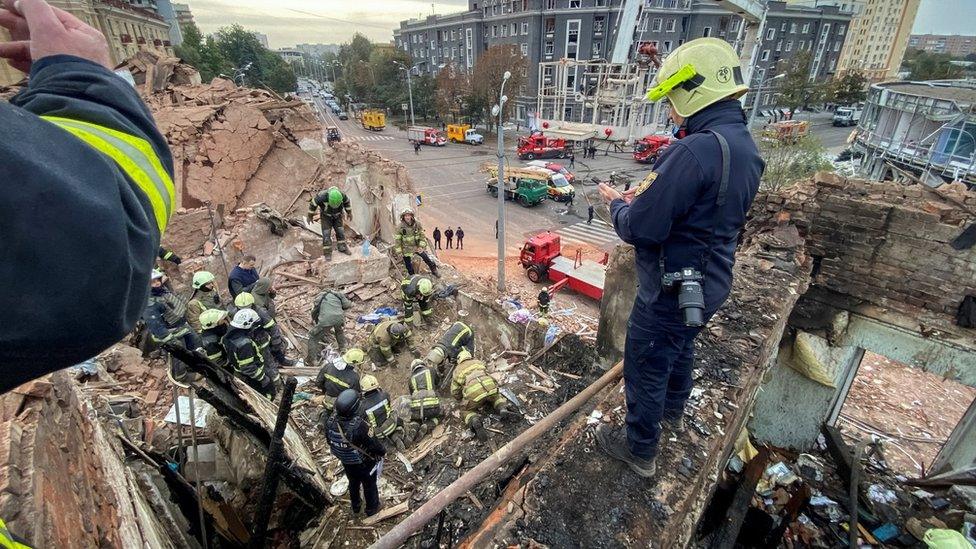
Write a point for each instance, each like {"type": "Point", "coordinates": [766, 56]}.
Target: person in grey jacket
{"type": "Point", "coordinates": [328, 314]}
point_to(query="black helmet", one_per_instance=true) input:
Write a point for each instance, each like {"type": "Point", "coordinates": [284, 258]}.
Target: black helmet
{"type": "Point", "coordinates": [347, 403]}
{"type": "Point", "coordinates": [398, 330]}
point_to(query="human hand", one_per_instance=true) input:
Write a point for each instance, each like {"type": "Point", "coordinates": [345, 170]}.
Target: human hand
{"type": "Point", "coordinates": [608, 193]}
{"type": "Point", "coordinates": [38, 30]}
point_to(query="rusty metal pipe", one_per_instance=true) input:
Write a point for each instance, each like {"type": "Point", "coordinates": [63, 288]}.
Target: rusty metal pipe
{"type": "Point", "coordinates": [408, 526]}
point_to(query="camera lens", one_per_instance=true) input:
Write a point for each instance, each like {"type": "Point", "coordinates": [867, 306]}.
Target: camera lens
{"type": "Point", "coordinates": [691, 301]}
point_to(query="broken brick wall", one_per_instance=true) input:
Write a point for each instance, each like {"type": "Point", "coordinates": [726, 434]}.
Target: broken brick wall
{"type": "Point", "coordinates": [882, 242]}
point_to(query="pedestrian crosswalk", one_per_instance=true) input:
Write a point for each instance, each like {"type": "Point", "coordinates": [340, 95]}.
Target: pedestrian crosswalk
{"type": "Point", "coordinates": [370, 138]}
{"type": "Point", "coordinates": [599, 233]}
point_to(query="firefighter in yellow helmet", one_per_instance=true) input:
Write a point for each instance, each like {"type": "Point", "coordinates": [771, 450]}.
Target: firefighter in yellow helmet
{"type": "Point", "coordinates": [684, 221]}
{"type": "Point", "coordinates": [205, 296]}
{"type": "Point", "coordinates": [380, 413]}
{"type": "Point", "coordinates": [338, 375]}
{"type": "Point", "coordinates": [419, 290]}
{"type": "Point", "coordinates": [477, 391]}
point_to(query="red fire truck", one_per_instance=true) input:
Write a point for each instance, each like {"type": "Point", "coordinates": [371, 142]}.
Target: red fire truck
{"type": "Point", "coordinates": [650, 147]}
{"type": "Point", "coordinates": [538, 145]}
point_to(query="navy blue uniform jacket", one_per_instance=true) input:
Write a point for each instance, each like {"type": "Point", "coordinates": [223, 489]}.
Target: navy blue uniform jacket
{"type": "Point", "coordinates": [78, 239]}
{"type": "Point", "coordinates": [674, 212]}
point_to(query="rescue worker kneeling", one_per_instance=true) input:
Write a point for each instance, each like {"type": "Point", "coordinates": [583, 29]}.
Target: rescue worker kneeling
{"type": "Point", "coordinates": [477, 390]}
{"type": "Point", "coordinates": [337, 376]}
{"type": "Point", "coordinates": [379, 412]}
{"type": "Point", "coordinates": [245, 355]}
{"type": "Point", "coordinates": [388, 338]}
{"type": "Point", "coordinates": [458, 337]}
{"type": "Point", "coordinates": [425, 405]}
{"type": "Point", "coordinates": [417, 289]}
{"type": "Point", "coordinates": [214, 323]}
{"type": "Point", "coordinates": [361, 454]}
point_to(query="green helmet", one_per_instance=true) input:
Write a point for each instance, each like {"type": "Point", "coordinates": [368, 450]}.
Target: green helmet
{"type": "Point", "coordinates": [425, 286]}
{"type": "Point", "coordinates": [697, 74]}
{"type": "Point", "coordinates": [335, 197]}
{"type": "Point", "coordinates": [211, 318]}
{"type": "Point", "coordinates": [202, 278]}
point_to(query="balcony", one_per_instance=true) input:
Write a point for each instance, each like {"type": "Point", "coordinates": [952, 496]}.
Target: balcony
{"type": "Point", "coordinates": [141, 40]}
{"type": "Point", "coordinates": [157, 42]}
{"type": "Point", "coordinates": [125, 39]}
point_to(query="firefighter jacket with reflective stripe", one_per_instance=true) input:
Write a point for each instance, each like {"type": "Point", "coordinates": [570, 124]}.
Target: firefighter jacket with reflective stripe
{"type": "Point", "coordinates": [351, 441]}
{"type": "Point", "coordinates": [422, 389]}
{"type": "Point", "coordinates": [376, 405]}
{"type": "Point", "coordinates": [243, 354]}
{"type": "Point", "coordinates": [212, 346]}
{"type": "Point", "coordinates": [458, 336]}
{"type": "Point", "coordinates": [409, 239]}
{"type": "Point", "coordinates": [164, 316]}
{"type": "Point", "coordinates": [381, 336]}
{"type": "Point", "coordinates": [9, 540]}
{"type": "Point", "coordinates": [167, 255]}
{"type": "Point", "coordinates": [471, 382]}
{"type": "Point", "coordinates": [333, 381]}
{"type": "Point", "coordinates": [101, 170]}
{"type": "Point", "coordinates": [411, 289]}
{"type": "Point", "coordinates": [321, 202]}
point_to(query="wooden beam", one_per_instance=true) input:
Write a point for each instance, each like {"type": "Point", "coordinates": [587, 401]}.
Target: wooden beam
{"type": "Point", "coordinates": [728, 532]}
{"type": "Point", "coordinates": [389, 512]}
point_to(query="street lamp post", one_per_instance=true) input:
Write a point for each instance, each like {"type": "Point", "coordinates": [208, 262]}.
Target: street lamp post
{"type": "Point", "coordinates": [755, 103]}
{"type": "Point", "coordinates": [409, 89]}
{"type": "Point", "coordinates": [499, 109]}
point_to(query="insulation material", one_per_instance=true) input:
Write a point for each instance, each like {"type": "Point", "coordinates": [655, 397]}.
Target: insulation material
{"type": "Point", "coordinates": [806, 359]}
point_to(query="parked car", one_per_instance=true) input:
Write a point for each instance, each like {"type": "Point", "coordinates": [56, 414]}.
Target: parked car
{"type": "Point", "coordinates": [556, 167]}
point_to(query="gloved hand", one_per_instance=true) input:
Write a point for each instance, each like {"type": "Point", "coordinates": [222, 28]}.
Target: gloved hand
{"type": "Point", "coordinates": [176, 259]}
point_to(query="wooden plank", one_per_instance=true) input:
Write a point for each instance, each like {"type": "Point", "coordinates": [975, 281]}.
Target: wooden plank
{"type": "Point", "coordinates": [369, 293]}
{"type": "Point", "coordinates": [538, 371]}
{"type": "Point", "coordinates": [564, 374]}
{"type": "Point", "coordinates": [294, 276]}
{"type": "Point", "coordinates": [389, 512]}
{"type": "Point", "coordinates": [545, 390]}
{"type": "Point", "coordinates": [729, 530]}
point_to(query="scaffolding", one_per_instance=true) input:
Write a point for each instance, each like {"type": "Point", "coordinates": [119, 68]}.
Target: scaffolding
{"type": "Point", "coordinates": [592, 96]}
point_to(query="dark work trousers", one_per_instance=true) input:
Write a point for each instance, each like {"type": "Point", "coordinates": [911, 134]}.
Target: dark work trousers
{"type": "Point", "coordinates": [437, 244]}
{"type": "Point", "coordinates": [659, 356]}
{"type": "Point", "coordinates": [362, 484]}
{"type": "Point", "coordinates": [330, 223]}
{"type": "Point", "coordinates": [408, 262]}
{"type": "Point", "coordinates": [450, 242]}
{"type": "Point", "coordinates": [460, 242]}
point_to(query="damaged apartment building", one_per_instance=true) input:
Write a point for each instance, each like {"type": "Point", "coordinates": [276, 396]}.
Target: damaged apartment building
{"type": "Point", "coordinates": [109, 454]}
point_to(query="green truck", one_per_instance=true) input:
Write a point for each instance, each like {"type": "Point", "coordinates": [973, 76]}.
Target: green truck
{"type": "Point", "coordinates": [527, 187]}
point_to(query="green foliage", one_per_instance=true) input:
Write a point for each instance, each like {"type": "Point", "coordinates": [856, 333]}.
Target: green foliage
{"type": "Point", "coordinates": [795, 89]}
{"type": "Point", "coordinates": [923, 65]}
{"type": "Point", "coordinates": [788, 162]}
{"type": "Point", "coordinates": [848, 89]}
{"type": "Point", "coordinates": [232, 48]}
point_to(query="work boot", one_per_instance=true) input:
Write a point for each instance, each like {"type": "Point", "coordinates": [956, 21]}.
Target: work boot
{"type": "Point", "coordinates": [344, 249]}
{"type": "Point", "coordinates": [287, 362]}
{"type": "Point", "coordinates": [509, 414]}
{"type": "Point", "coordinates": [422, 431]}
{"type": "Point", "coordinates": [613, 441]}
{"type": "Point", "coordinates": [675, 425]}
{"type": "Point", "coordinates": [478, 426]}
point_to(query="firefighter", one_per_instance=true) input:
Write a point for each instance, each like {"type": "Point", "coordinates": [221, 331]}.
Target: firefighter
{"type": "Point", "coordinates": [378, 410]}
{"type": "Point", "coordinates": [409, 240]}
{"type": "Point", "coordinates": [331, 204]}
{"type": "Point", "coordinates": [339, 375]}
{"type": "Point", "coordinates": [418, 289]}
{"type": "Point", "coordinates": [388, 338]}
{"type": "Point", "coordinates": [361, 454]}
{"type": "Point", "coordinates": [244, 354]}
{"type": "Point", "coordinates": [544, 299]}
{"type": "Point", "coordinates": [165, 317]}
{"type": "Point", "coordinates": [425, 405]}
{"type": "Point", "coordinates": [204, 297]}
{"type": "Point", "coordinates": [213, 324]}
{"type": "Point", "coordinates": [267, 334]}
{"type": "Point", "coordinates": [458, 337]}
{"type": "Point", "coordinates": [476, 390]}
{"type": "Point", "coordinates": [80, 145]}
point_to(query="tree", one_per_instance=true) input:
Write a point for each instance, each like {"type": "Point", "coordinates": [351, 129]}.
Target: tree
{"type": "Point", "coordinates": [788, 162]}
{"type": "Point", "coordinates": [200, 52]}
{"type": "Point", "coordinates": [848, 89]}
{"type": "Point", "coordinates": [795, 89]}
{"type": "Point", "coordinates": [231, 49]}
{"type": "Point", "coordinates": [487, 78]}
{"type": "Point", "coordinates": [923, 65]}
{"type": "Point", "coordinates": [452, 85]}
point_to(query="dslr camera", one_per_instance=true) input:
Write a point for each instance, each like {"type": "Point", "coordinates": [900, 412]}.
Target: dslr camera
{"type": "Point", "coordinates": [691, 297]}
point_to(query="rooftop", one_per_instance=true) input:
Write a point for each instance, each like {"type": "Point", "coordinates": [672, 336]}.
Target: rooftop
{"type": "Point", "coordinates": [963, 92]}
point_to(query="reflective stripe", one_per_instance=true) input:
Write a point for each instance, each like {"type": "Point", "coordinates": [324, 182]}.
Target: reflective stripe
{"type": "Point", "coordinates": [7, 540]}
{"type": "Point", "coordinates": [337, 381]}
{"type": "Point", "coordinates": [271, 322]}
{"type": "Point", "coordinates": [135, 156]}
{"type": "Point", "coordinates": [244, 362]}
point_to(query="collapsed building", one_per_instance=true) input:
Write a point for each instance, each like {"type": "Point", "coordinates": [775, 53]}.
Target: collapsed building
{"type": "Point", "coordinates": [109, 454]}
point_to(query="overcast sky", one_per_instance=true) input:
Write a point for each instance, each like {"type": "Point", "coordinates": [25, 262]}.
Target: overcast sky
{"type": "Point", "coordinates": [290, 22]}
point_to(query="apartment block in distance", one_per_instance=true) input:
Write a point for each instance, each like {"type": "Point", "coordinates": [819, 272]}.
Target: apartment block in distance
{"type": "Point", "coordinates": [956, 45]}
{"type": "Point", "coordinates": [878, 38]}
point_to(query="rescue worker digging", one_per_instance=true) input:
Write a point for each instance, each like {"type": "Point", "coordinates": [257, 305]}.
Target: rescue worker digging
{"type": "Point", "coordinates": [459, 337]}
{"type": "Point", "coordinates": [386, 424]}
{"type": "Point", "coordinates": [331, 204]}
{"type": "Point", "coordinates": [329, 316]}
{"type": "Point", "coordinates": [204, 297]}
{"type": "Point", "coordinates": [409, 240]}
{"type": "Point", "coordinates": [361, 454]}
{"type": "Point", "coordinates": [214, 323]}
{"type": "Point", "coordinates": [684, 221]}
{"type": "Point", "coordinates": [424, 404]}
{"type": "Point", "coordinates": [476, 390]}
{"type": "Point", "coordinates": [165, 317]}
{"type": "Point", "coordinates": [245, 355]}
{"type": "Point", "coordinates": [339, 375]}
{"type": "Point", "coordinates": [418, 289]}
{"type": "Point", "coordinates": [388, 338]}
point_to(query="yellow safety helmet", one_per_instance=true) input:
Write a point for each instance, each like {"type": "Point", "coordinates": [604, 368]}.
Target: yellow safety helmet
{"type": "Point", "coordinates": [369, 383]}
{"type": "Point", "coordinates": [425, 286]}
{"type": "Point", "coordinates": [417, 364]}
{"type": "Point", "coordinates": [202, 278]}
{"type": "Point", "coordinates": [354, 356]}
{"type": "Point", "coordinates": [244, 299]}
{"type": "Point", "coordinates": [463, 355]}
{"type": "Point", "coordinates": [697, 74]}
{"type": "Point", "coordinates": [435, 355]}
{"type": "Point", "coordinates": [211, 318]}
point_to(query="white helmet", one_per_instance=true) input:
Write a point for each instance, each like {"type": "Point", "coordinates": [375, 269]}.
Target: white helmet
{"type": "Point", "coordinates": [245, 319]}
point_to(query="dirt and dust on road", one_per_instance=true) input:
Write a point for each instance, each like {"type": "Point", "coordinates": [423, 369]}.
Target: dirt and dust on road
{"type": "Point", "coordinates": [912, 410]}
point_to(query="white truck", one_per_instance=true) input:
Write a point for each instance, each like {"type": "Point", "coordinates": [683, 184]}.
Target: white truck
{"type": "Point", "coordinates": [847, 116]}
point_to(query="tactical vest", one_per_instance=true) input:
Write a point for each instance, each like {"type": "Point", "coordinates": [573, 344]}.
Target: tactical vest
{"type": "Point", "coordinates": [340, 446]}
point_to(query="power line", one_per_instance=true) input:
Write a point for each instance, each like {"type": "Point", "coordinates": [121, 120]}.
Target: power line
{"type": "Point", "coordinates": [338, 20]}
